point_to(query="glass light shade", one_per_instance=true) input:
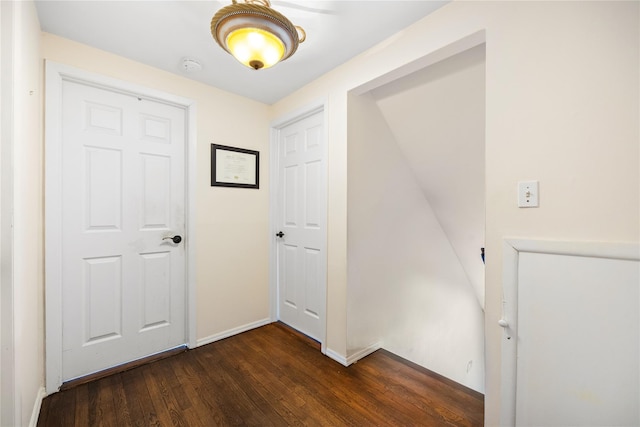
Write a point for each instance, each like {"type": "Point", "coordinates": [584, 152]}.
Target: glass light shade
{"type": "Point", "coordinates": [255, 48]}
{"type": "Point", "coordinates": [256, 35]}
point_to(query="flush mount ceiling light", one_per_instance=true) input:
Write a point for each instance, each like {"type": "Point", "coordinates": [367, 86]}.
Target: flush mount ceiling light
{"type": "Point", "coordinates": [255, 34]}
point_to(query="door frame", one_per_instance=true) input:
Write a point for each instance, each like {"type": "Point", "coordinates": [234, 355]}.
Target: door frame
{"type": "Point", "coordinates": [55, 75]}
{"type": "Point", "coordinates": [276, 125]}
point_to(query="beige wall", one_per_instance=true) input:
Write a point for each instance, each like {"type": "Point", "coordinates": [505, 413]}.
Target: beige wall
{"type": "Point", "coordinates": [562, 107]}
{"type": "Point", "coordinates": [231, 225]}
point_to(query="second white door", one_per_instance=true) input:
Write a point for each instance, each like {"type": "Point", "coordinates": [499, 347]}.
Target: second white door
{"type": "Point", "coordinates": [301, 253]}
{"type": "Point", "coordinates": [122, 198]}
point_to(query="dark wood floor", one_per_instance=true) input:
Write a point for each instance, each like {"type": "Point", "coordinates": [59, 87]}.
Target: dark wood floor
{"type": "Point", "coordinates": [269, 376]}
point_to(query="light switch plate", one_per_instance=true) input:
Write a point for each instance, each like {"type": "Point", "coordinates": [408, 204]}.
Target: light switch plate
{"type": "Point", "coordinates": [528, 194]}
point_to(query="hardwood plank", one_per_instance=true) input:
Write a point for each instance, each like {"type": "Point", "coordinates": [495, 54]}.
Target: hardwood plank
{"type": "Point", "coordinates": [252, 391]}
{"type": "Point", "coordinates": [120, 401]}
{"type": "Point", "coordinates": [81, 413]}
{"type": "Point", "coordinates": [141, 408]}
{"type": "Point", "coordinates": [195, 386]}
{"type": "Point", "coordinates": [269, 376]}
{"type": "Point", "coordinates": [230, 391]}
{"type": "Point", "coordinates": [162, 396]}
{"type": "Point", "coordinates": [134, 396]}
{"type": "Point", "coordinates": [102, 411]}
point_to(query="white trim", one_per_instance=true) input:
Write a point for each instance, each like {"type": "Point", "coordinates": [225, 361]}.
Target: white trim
{"type": "Point", "coordinates": [281, 122]}
{"type": "Point", "coordinates": [274, 165]}
{"type": "Point", "coordinates": [511, 249]}
{"type": "Point", "coordinates": [337, 357]}
{"type": "Point", "coordinates": [447, 51]}
{"type": "Point", "coordinates": [35, 413]}
{"type": "Point", "coordinates": [190, 226]}
{"type": "Point", "coordinates": [55, 74]}
{"type": "Point", "coordinates": [53, 221]}
{"type": "Point", "coordinates": [9, 410]}
{"type": "Point", "coordinates": [362, 353]}
{"type": "Point", "coordinates": [300, 113]}
{"type": "Point", "coordinates": [233, 331]}
{"type": "Point", "coordinates": [509, 334]}
{"type": "Point", "coordinates": [609, 250]}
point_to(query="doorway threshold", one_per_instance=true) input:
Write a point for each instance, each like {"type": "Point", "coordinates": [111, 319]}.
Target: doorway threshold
{"type": "Point", "coordinates": [121, 368]}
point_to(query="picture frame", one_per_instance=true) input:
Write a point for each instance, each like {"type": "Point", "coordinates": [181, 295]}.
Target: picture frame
{"type": "Point", "coordinates": [234, 167]}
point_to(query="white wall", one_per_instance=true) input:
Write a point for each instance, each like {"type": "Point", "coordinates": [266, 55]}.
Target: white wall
{"type": "Point", "coordinates": [407, 286]}
{"type": "Point", "coordinates": [416, 218]}
{"type": "Point", "coordinates": [231, 229]}
{"type": "Point", "coordinates": [24, 341]}
{"type": "Point", "coordinates": [437, 118]}
{"type": "Point", "coordinates": [562, 107]}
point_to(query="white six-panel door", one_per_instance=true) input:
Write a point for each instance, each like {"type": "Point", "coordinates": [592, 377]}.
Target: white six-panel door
{"type": "Point", "coordinates": [123, 193]}
{"type": "Point", "coordinates": [301, 253]}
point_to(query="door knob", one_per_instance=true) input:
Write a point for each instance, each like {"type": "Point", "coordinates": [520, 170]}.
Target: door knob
{"type": "Point", "coordinates": [503, 323]}
{"type": "Point", "coordinates": [176, 239]}
{"type": "Point", "coordinates": [280, 234]}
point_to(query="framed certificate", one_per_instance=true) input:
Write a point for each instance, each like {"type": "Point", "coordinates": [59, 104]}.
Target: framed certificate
{"type": "Point", "coordinates": [234, 167]}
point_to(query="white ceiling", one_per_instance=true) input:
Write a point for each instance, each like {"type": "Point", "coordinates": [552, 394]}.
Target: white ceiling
{"type": "Point", "coordinates": [163, 33]}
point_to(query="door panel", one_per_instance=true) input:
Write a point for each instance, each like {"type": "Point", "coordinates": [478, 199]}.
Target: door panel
{"type": "Point", "coordinates": [123, 286]}
{"type": "Point", "coordinates": [313, 190]}
{"type": "Point", "coordinates": [103, 196]}
{"type": "Point", "coordinates": [291, 195]}
{"type": "Point", "coordinates": [156, 289]}
{"type": "Point", "coordinates": [302, 218]}
{"type": "Point", "coordinates": [571, 340]}
{"type": "Point", "coordinates": [312, 274]}
{"type": "Point", "coordinates": [156, 200]}
{"type": "Point", "coordinates": [578, 347]}
{"type": "Point", "coordinates": [102, 303]}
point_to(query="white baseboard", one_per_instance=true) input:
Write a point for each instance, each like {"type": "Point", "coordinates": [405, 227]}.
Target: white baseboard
{"type": "Point", "coordinates": [230, 332]}
{"type": "Point", "coordinates": [337, 357]}
{"type": "Point", "coordinates": [346, 361]}
{"type": "Point", "coordinates": [361, 354]}
{"type": "Point", "coordinates": [36, 407]}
